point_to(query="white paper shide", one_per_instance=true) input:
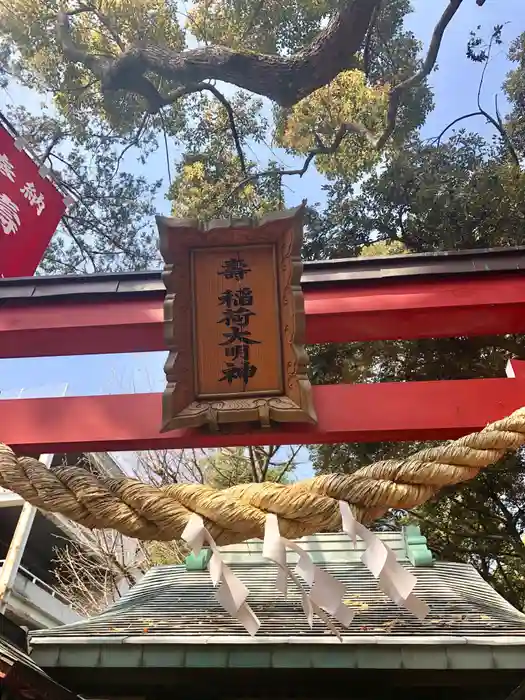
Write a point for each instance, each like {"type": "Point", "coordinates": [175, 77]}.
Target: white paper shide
{"type": "Point", "coordinates": [231, 591]}
{"type": "Point", "coordinates": [321, 594]}
{"type": "Point", "coordinates": [393, 579]}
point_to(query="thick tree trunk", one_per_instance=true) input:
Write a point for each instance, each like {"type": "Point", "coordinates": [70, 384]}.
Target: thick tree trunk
{"type": "Point", "coordinates": [284, 80]}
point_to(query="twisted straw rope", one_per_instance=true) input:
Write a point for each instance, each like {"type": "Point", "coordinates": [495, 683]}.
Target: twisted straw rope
{"type": "Point", "coordinates": [238, 513]}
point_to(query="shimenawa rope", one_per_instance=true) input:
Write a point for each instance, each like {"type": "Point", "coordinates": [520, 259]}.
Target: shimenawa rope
{"type": "Point", "coordinates": [238, 513]}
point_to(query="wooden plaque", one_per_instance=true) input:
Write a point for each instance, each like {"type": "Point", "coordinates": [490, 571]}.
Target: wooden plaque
{"type": "Point", "coordinates": [234, 322]}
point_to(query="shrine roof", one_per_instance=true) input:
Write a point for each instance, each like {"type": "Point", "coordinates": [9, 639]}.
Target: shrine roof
{"type": "Point", "coordinates": [175, 605]}
{"type": "Point", "coordinates": [319, 272]}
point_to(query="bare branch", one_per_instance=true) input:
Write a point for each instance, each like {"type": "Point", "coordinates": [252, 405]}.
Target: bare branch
{"type": "Point", "coordinates": [54, 142]}
{"type": "Point", "coordinates": [162, 467]}
{"type": "Point", "coordinates": [231, 117]}
{"type": "Point", "coordinates": [166, 149]}
{"type": "Point", "coordinates": [288, 465]}
{"type": "Point", "coordinates": [134, 141]}
{"type": "Point", "coordinates": [83, 249]}
{"type": "Point", "coordinates": [98, 567]}
{"type": "Point", "coordinates": [438, 138]}
{"type": "Point", "coordinates": [398, 91]}
{"type": "Point", "coordinates": [93, 572]}
{"type": "Point", "coordinates": [193, 88]}
{"type": "Point", "coordinates": [253, 464]}
{"type": "Point", "coordinates": [497, 122]}
{"type": "Point", "coordinates": [265, 456]}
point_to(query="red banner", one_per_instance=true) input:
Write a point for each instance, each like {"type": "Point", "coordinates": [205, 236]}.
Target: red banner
{"type": "Point", "coordinates": [30, 210]}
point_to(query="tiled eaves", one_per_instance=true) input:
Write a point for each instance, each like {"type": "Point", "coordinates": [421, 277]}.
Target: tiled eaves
{"type": "Point", "coordinates": [316, 273]}
{"type": "Point", "coordinates": [459, 653]}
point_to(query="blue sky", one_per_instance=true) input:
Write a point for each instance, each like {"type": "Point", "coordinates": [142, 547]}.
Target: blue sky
{"type": "Point", "coordinates": [455, 84]}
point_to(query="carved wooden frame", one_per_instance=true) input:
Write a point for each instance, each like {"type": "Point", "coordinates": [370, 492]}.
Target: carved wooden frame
{"type": "Point", "coordinates": [180, 406]}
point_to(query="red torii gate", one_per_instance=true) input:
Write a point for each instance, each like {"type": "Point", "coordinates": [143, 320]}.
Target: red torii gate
{"type": "Point", "coordinates": [400, 297]}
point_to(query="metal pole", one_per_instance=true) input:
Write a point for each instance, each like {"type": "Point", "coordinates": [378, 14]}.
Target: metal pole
{"type": "Point", "coordinates": [10, 567]}
{"type": "Point", "coordinates": [9, 570]}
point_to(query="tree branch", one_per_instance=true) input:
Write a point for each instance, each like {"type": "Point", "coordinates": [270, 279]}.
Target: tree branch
{"type": "Point", "coordinates": [166, 149]}
{"type": "Point", "coordinates": [438, 138]}
{"type": "Point", "coordinates": [231, 117]}
{"type": "Point", "coordinates": [54, 142]}
{"type": "Point", "coordinates": [253, 465]}
{"type": "Point", "coordinates": [106, 22]}
{"type": "Point", "coordinates": [83, 249]}
{"type": "Point", "coordinates": [192, 88]}
{"type": "Point", "coordinates": [394, 101]}
{"type": "Point", "coordinates": [283, 79]}
{"type": "Point", "coordinates": [475, 509]}
{"type": "Point", "coordinates": [344, 129]}
{"type": "Point", "coordinates": [101, 66]}
{"type": "Point", "coordinates": [265, 459]}
{"type": "Point", "coordinates": [463, 532]}
{"type": "Point", "coordinates": [496, 123]}
{"type": "Point", "coordinates": [80, 200]}
{"type": "Point", "coordinates": [289, 464]}
{"type": "Point", "coordinates": [134, 142]}
{"type": "Point", "coordinates": [253, 19]}
{"type": "Point", "coordinates": [428, 65]}
{"type": "Point", "coordinates": [96, 64]}
{"type": "Point", "coordinates": [368, 40]}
